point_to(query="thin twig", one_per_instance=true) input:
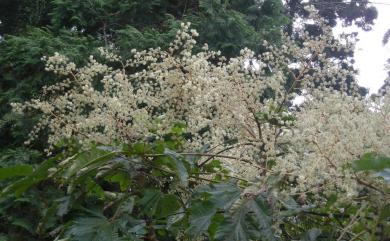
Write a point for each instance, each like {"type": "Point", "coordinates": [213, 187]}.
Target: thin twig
{"type": "Point", "coordinates": [353, 220]}
{"type": "Point", "coordinates": [224, 150]}
{"type": "Point", "coordinates": [195, 154]}
{"type": "Point", "coordinates": [357, 236]}
{"type": "Point", "coordinates": [233, 177]}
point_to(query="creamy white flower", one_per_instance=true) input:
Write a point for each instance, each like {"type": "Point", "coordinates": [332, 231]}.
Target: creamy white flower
{"type": "Point", "coordinates": [150, 91]}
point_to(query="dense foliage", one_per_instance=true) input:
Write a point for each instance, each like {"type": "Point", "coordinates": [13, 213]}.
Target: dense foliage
{"type": "Point", "coordinates": [185, 144]}
{"type": "Point", "coordinates": [146, 191]}
{"type": "Point", "coordinates": [160, 136]}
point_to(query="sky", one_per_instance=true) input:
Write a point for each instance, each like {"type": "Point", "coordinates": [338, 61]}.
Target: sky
{"type": "Point", "coordinates": [370, 54]}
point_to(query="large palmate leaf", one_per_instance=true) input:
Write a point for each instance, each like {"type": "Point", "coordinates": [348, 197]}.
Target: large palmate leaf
{"type": "Point", "coordinates": [250, 221]}
{"type": "Point", "coordinates": [93, 228]}
{"type": "Point", "coordinates": [208, 200]}
{"type": "Point", "coordinates": [87, 161]}
{"type": "Point", "coordinates": [223, 195]}
{"type": "Point", "coordinates": [40, 173]}
{"type": "Point", "coordinates": [155, 203]}
{"type": "Point", "coordinates": [200, 217]}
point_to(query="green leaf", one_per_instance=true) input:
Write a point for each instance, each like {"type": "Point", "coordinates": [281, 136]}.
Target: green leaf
{"type": "Point", "coordinates": [234, 228]}
{"type": "Point", "coordinates": [127, 205]}
{"type": "Point", "coordinates": [292, 208]}
{"type": "Point", "coordinates": [140, 148]}
{"type": "Point", "coordinates": [215, 222]}
{"type": "Point", "coordinates": [3, 238]}
{"type": "Point", "coordinates": [205, 203]}
{"type": "Point", "coordinates": [138, 227]}
{"type": "Point", "coordinates": [63, 205]}
{"type": "Point", "coordinates": [385, 213]}
{"type": "Point", "coordinates": [210, 6]}
{"type": "Point", "coordinates": [168, 204]}
{"type": "Point", "coordinates": [172, 219]}
{"type": "Point", "coordinates": [179, 166]}
{"type": "Point", "coordinates": [39, 174]}
{"type": "Point", "coordinates": [249, 221]}
{"type": "Point", "coordinates": [84, 166]}
{"type": "Point", "coordinates": [259, 209]}
{"type": "Point", "coordinates": [122, 178]}
{"type": "Point", "coordinates": [200, 217]}
{"type": "Point", "coordinates": [372, 162]}
{"type": "Point", "coordinates": [15, 171]}
{"type": "Point", "coordinates": [178, 128]}
{"type": "Point", "coordinates": [223, 195]}
{"type": "Point", "coordinates": [150, 201]}
{"type": "Point", "coordinates": [24, 223]}
{"type": "Point", "coordinates": [213, 166]}
{"type": "Point", "coordinates": [155, 203]}
{"type": "Point", "coordinates": [93, 228]}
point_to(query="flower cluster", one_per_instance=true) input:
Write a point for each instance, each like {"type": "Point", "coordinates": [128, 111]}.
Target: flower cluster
{"type": "Point", "coordinates": [330, 132]}
{"type": "Point", "coordinates": [242, 100]}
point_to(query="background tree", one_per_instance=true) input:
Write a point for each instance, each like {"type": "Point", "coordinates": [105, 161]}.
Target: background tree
{"type": "Point", "coordinates": [356, 12]}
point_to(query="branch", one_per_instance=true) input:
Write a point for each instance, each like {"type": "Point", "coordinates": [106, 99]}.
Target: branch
{"type": "Point", "coordinates": [226, 149]}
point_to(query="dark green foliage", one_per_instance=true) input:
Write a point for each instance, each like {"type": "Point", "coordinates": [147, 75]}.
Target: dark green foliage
{"type": "Point", "coordinates": [22, 74]}
{"type": "Point", "coordinates": [112, 193]}
{"type": "Point", "coordinates": [16, 15]}
{"type": "Point", "coordinates": [230, 27]}
{"type": "Point", "coordinates": [145, 191]}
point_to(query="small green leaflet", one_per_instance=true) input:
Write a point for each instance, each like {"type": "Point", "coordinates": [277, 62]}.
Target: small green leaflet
{"type": "Point", "coordinates": [372, 162]}
{"type": "Point", "coordinates": [15, 171]}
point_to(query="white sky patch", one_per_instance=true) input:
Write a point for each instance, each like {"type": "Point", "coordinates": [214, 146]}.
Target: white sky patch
{"type": "Point", "coordinates": [254, 64]}
{"type": "Point", "coordinates": [298, 100]}
{"type": "Point", "coordinates": [370, 54]}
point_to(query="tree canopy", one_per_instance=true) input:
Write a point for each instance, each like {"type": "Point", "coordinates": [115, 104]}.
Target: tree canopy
{"type": "Point", "coordinates": [181, 144]}
{"type": "Point", "coordinates": [174, 120]}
